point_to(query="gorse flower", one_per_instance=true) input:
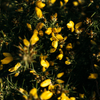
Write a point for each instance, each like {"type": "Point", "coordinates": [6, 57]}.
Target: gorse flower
{"type": "Point", "coordinates": [39, 4]}
{"type": "Point", "coordinates": [66, 1]}
{"type": "Point", "coordinates": [45, 83]}
{"type": "Point", "coordinates": [63, 97]}
{"type": "Point", "coordinates": [33, 92]}
{"type": "Point", "coordinates": [8, 58]}
{"type": "Point", "coordinates": [38, 12]}
{"type": "Point", "coordinates": [60, 74]}
{"type": "Point", "coordinates": [44, 63]}
{"type": "Point", "coordinates": [15, 67]}
{"type": "Point", "coordinates": [46, 95]}
{"type": "Point", "coordinates": [70, 25]}
{"type": "Point", "coordinates": [93, 76]}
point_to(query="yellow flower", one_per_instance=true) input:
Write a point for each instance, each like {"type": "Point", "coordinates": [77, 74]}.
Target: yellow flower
{"type": "Point", "coordinates": [70, 25]}
{"type": "Point", "coordinates": [25, 97]}
{"type": "Point", "coordinates": [67, 62]}
{"type": "Point", "coordinates": [63, 97]}
{"type": "Point", "coordinates": [72, 98]}
{"type": "Point", "coordinates": [39, 26]}
{"type": "Point", "coordinates": [52, 50]}
{"type": "Point", "coordinates": [60, 74]}
{"type": "Point", "coordinates": [93, 76]}
{"type": "Point", "coordinates": [69, 46]}
{"type": "Point", "coordinates": [60, 81]}
{"type": "Point", "coordinates": [39, 4]}
{"type": "Point", "coordinates": [15, 67]}
{"type": "Point", "coordinates": [75, 3]}
{"type": "Point", "coordinates": [29, 26]}
{"type": "Point", "coordinates": [26, 42]}
{"type": "Point", "coordinates": [45, 63]}
{"type": "Point", "coordinates": [55, 44]}
{"type": "Point", "coordinates": [35, 32]}
{"type": "Point", "coordinates": [53, 1]}
{"type": "Point", "coordinates": [33, 92]}
{"type": "Point", "coordinates": [78, 25]}
{"type": "Point", "coordinates": [66, 1]}
{"type": "Point", "coordinates": [16, 74]}
{"type": "Point", "coordinates": [38, 12]}
{"type": "Point", "coordinates": [58, 29]}
{"type": "Point", "coordinates": [45, 83]}
{"type": "Point", "coordinates": [8, 58]}
{"type": "Point", "coordinates": [48, 31]}
{"type": "Point", "coordinates": [60, 56]}
{"type": "Point", "coordinates": [46, 95]}
{"type": "Point", "coordinates": [34, 38]}
{"type": "Point", "coordinates": [44, 69]}
{"type": "Point", "coordinates": [61, 3]}
{"type": "Point", "coordinates": [59, 37]}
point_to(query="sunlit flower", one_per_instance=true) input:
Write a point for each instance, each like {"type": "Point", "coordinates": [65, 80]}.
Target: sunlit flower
{"type": "Point", "coordinates": [59, 37]}
{"type": "Point", "coordinates": [16, 74]}
{"type": "Point", "coordinates": [39, 4]}
{"type": "Point", "coordinates": [15, 67]}
{"type": "Point", "coordinates": [72, 98]}
{"type": "Point", "coordinates": [26, 42]}
{"type": "Point", "coordinates": [61, 3]}
{"type": "Point", "coordinates": [77, 28]}
{"type": "Point", "coordinates": [52, 50]}
{"type": "Point", "coordinates": [44, 63]}
{"type": "Point", "coordinates": [60, 56]}
{"type": "Point", "coordinates": [67, 62]}
{"type": "Point", "coordinates": [33, 92]}
{"type": "Point", "coordinates": [8, 58]}
{"type": "Point", "coordinates": [75, 3]}
{"type": "Point", "coordinates": [70, 25]}
{"type": "Point", "coordinates": [38, 12]}
{"type": "Point", "coordinates": [55, 44]}
{"type": "Point", "coordinates": [93, 76]}
{"type": "Point", "coordinates": [45, 83]}
{"type": "Point", "coordinates": [48, 31]}
{"type": "Point", "coordinates": [63, 97]}
{"type": "Point", "coordinates": [52, 1]}
{"type": "Point", "coordinates": [59, 75]}
{"type": "Point", "coordinates": [66, 1]}
{"type": "Point", "coordinates": [60, 81]}
{"type": "Point", "coordinates": [46, 95]}
{"type": "Point", "coordinates": [34, 37]}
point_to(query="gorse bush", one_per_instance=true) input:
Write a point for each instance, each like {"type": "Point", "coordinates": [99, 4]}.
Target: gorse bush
{"type": "Point", "coordinates": [49, 50]}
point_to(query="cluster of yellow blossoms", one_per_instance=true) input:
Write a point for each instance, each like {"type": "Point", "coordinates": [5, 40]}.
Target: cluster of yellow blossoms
{"type": "Point", "coordinates": [28, 53]}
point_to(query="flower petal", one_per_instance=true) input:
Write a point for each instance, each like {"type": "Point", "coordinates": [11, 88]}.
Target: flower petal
{"type": "Point", "coordinates": [45, 83]}
{"type": "Point", "coordinates": [7, 60]}
{"type": "Point", "coordinates": [46, 95]}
